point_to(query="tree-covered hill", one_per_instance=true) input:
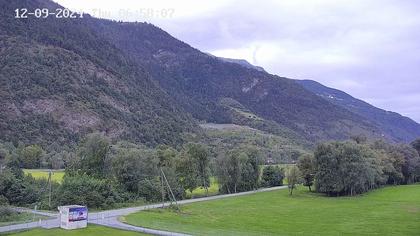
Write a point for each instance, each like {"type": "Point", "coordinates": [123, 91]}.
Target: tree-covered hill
{"type": "Point", "coordinates": [60, 80]}
{"type": "Point", "coordinates": [202, 83]}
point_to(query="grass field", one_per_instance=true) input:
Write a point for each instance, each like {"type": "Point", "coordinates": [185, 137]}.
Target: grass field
{"type": "Point", "coordinates": [201, 192]}
{"type": "Point", "coordinates": [57, 176]}
{"type": "Point", "coordinates": [387, 211]}
{"type": "Point", "coordinates": [91, 230]}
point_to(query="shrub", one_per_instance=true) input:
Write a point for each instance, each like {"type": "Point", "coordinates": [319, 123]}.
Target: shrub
{"type": "Point", "coordinates": [272, 176]}
{"type": "Point", "coordinates": [6, 213]}
{"type": "Point", "coordinates": [89, 191]}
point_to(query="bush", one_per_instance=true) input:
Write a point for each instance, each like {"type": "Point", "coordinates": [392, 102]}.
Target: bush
{"type": "Point", "coordinates": [6, 213]}
{"type": "Point", "coordinates": [89, 191]}
{"type": "Point", "coordinates": [272, 176]}
{"type": "Point", "coordinates": [3, 201]}
{"type": "Point", "coordinates": [17, 191]}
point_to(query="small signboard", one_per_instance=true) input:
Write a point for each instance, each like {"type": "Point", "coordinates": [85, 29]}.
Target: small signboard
{"type": "Point", "coordinates": [73, 216]}
{"type": "Point", "coordinates": [77, 214]}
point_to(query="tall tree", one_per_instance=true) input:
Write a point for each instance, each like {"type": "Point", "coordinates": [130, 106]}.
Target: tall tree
{"type": "Point", "coordinates": [166, 155]}
{"type": "Point", "coordinates": [31, 156]}
{"type": "Point", "coordinates": [187, 172]}
{"type": "Point", "coordinates": [251, 170]}
{"type": "Point", "coordinates": [199, 155]}
{"type": "Point", "coordinates": [306, 167]}
{"type": "Point", "coordinates": [167, 164]}
{"type": "Point", "coordinates": [3, 155]}
{"type": "Point", "coordinates": [292, 178]}
{"type": "Point", "coordinates": [416, 145]}
{"type": "Point", "coordinates": [229, 170]}
{"type": "Point", "coordinates": [410, 164]}
{"type": "Point", "coordinates": [93, 153]}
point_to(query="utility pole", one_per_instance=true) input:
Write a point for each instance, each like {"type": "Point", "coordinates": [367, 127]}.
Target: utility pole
{"type": "Point", "coordinates": [169, 187]}
{"type": "Point", "coordinates": [49, 189]}
{"type": "Point", "coordinates": [162, 188]}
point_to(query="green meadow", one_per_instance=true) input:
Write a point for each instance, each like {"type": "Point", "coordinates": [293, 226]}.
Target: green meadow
{"type": "Point", "coordinates": [387, 211]}
{"type": "Point", "coordinates": [201, 192]}
{"type": "Point", "coordinates": [56, 176]}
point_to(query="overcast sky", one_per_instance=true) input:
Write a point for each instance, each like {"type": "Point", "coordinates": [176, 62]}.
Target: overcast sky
{"type": "Point", "coordinates": [367, 48]}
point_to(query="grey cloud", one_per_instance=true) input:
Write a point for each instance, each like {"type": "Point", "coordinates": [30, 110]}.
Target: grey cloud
{"type": "Point", "coordinates": [370, 49]}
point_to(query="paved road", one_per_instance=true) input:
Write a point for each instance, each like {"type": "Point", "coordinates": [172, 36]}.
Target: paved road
{"type": "Point", "coordinates": [42, 213]}
{"type": "Point", "coordinates": [47, 224]}
{"type": "Point", "coordinates": [126, 211]}
{"type": "Point", "coordinates": [110, 218]}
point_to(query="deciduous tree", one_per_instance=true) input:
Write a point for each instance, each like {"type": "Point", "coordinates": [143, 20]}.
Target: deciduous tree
{"type": "Point", "coordinates": [306, 167]}
{"type": "Point", "coordinates": [292, 178]}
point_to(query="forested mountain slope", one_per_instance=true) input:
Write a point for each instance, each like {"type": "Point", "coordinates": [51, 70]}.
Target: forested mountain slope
{"type": "Point", "coordinates": [399, 127]}
{"type": "Point", "coordinates": [60, 80]}
{"type": "Point", "coordinates": [223, 92]}
{"type": "Point", "coordinates": [63, 78]}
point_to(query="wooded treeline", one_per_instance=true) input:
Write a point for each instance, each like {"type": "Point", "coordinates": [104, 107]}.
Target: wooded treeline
{"type": "Point", "coordinates": [101, 174]}
{"type": "Point", "coordinates": [354, 167]}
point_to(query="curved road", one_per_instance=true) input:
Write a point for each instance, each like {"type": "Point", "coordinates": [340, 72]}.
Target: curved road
{"type": "Point", "coordinates": [110, 218]}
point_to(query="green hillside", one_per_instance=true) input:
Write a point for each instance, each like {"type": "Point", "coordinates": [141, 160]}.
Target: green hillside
{"type": "Point", "coordinates": [60, 80]}
{"type": "Point", "coordinates": [64, 78]}
{"type": "Point", "coordinates": [202, 84]}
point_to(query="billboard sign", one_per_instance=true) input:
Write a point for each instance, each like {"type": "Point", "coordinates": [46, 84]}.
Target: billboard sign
{"type": "Point", "coordinates": [77, 214]}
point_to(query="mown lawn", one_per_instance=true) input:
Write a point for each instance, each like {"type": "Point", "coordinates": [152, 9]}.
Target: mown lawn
{"type": "Point", "coordinates": [56, 176]}
{"type": "Point", "coordinates": [91, 230]}
{"type": "Point", "coordinates": [387, 211]}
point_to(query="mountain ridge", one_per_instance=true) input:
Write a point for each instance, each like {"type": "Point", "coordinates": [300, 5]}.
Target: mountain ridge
{"type": "Point", "coordinates": [404, 128]}
{"type": "Point", "coordinates": [189, 70]}
{"type": "Point", "coordinates": [135, 81]}
{"type": "Point", "coordinates": [401, 126]}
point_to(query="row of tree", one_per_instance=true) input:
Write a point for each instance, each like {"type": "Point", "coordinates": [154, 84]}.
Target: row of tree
{"type": "Point", "coordinates": [101, 174]}
{"type": "Point", "coordinates": [353, 167]}
{"type": "Point", "coordinates": [34, 156]}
